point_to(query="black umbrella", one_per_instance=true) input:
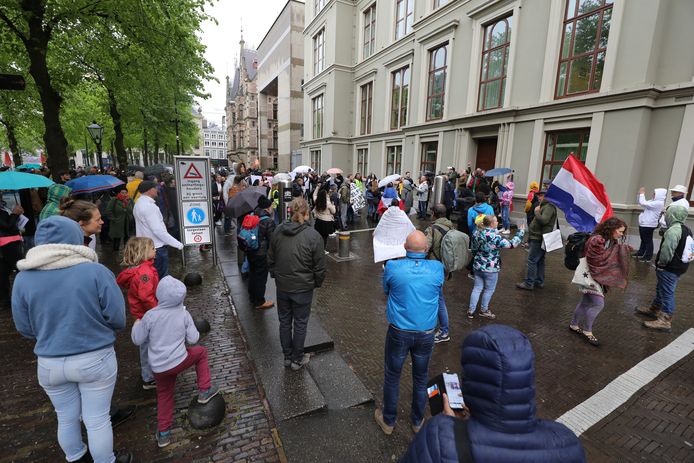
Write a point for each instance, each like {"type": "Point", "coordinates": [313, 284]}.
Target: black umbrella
{"type": "Point", "coordinates": [245, 201]}
{"type": "Point", "coordinates": [135, 168]}
{"type": "Point", "coordinates": [158, 169]}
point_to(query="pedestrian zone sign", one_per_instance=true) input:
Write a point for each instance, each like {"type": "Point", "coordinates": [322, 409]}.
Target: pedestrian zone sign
{"type": "Point", "coordinates": [195, 214]}
{"type": "Point", "coordinates": [194, 199]}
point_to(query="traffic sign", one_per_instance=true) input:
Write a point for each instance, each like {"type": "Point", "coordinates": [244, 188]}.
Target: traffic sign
{"type": "Point", "coordinates": [197, 235]}
{"type": "Point", "coordinates": [193, 185]}
{"type": "Point", "coordinates": [195, 214]}
{"type": "Point", "coordinates": [192, 172]}
{"type": "Point", "coordinates": [194, 199]}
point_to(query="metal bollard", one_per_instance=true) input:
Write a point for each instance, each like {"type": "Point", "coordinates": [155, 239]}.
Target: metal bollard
{"type": "Point", "coordinates": [344, 240]}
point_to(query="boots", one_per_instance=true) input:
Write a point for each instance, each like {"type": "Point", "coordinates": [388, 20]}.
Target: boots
{"type": "Point", "coordinates": [662, 323]}
{"type": "Point", "coordinates": [650, 311]}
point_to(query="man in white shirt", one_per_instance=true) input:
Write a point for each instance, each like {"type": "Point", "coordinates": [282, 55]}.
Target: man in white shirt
{"type": "Point", "coordinates": [149, 223]}
{"type": "Point", "coordinates": [678, 193]}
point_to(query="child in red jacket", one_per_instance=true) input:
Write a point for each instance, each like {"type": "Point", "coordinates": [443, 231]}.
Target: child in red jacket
{"type": "Point", "coordinates": [141, 281]}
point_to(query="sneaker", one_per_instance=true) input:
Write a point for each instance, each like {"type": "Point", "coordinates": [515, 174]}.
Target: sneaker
{"type": "Point", "coordinates": [662, 323]}
{"type": "Point", "coordinates": [124, 457]}
{"type": "Point", "coordinates": [163, 438]}
{"type": "Point", "coordinates": [120, 415]}
{"type": "Point", "coordinates": [487, 314]}
{"type": "Point", "coordinates": [327, 252]}
{"type": "Point", "coordinates": [204, 397]}
{"type": "Point", "coordinates": [524, 286]}
{"type": "Point", "coordinates": [148, 385]}
{"type": "Point", "coordinates": [651, 311]}
{"type": "Point", "coordinates": [417, 427]}
{"type": "Point", "coordinates": [298, 366]}
{"type": "Point", "coordinates": [441, 337]}
{"type": "Point", "coordinates": [332, 235]}
{"type": "Point", "coordinates": [470, 314]}
{"type": "Point", "coordinates": [378, 416]}
{"type": "Point", "coordinates": [539, 285]}
{"type": "Point", "coordinates": [287, 363]}
{"type": "Point", "coordinates": [265, 305]}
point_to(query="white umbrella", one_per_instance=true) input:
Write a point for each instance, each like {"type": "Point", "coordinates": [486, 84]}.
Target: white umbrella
{"type": "Point", "coordinates": [281, 177]}
{"type": "Point", "coordinates": [389, 179]}
{"type": "Point", "coordinates": [302, 169]}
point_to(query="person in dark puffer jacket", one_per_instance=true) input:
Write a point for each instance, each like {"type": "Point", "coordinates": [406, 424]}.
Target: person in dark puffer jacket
{"type": "Point", "coordinates": [499, 389]}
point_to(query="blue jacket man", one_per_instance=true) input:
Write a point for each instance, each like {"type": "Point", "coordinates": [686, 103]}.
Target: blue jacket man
{"type": "Point", "coordinates": [413, 285]}
{"type": "Point", "coordinates": [499, 389]}
{"type": "Point", "coordinates": [481, 207]}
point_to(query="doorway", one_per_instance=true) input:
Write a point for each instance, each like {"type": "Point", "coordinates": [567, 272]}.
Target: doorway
{"type": "Point", "coordinates": [486, 153]}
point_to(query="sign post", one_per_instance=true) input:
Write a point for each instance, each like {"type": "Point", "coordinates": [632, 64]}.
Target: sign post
{"type": "Point", "coordinates": [193, 189]}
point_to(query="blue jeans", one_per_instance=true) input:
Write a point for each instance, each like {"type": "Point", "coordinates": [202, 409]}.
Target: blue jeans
{"type": "Point", "coordinates": [485, 284]}
{"type": "Point", "coordinates": [536, 264]}
{"type": "Point", "coordinates": [505, 222]}
{"type": "Point", "coordinates": [161, 261]}
{"type": "Point", "coordinates": [422, 212]}
{"type": "Point", "coordinates": [82, 385]}
{"type": "Point", "coordinates": [398, 344]}
{"type": "Point", "coordinates": [665, 291]}
{"type": "Point", "coordinates": [227, 224]}
{"type": "Point", "coordinates": [443, 313]}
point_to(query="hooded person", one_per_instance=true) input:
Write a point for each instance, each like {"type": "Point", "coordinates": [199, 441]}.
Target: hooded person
{"type": "Point", "coordinates": [481, 207]}
{"type": "Point", "coordinates": [74, 333]}
{"type": "Point", "coordinates": [669, 268]}
{"type": "Point", "coordinates": [531, 202]}
{"type": "Point", "coordinates": [166, 329]}
{"type": "Point", "coordinates": [506, 201]}
{"type": "Point", "coordinates": [56, 193]}
{"type": "Point", "coordinates": [498, 386]}
{"type": "Point", "coordinates": [648, 221]}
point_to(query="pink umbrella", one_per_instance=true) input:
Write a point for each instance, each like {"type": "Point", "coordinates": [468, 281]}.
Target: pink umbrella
{"type": "Point", "coordinates": [334, 170]}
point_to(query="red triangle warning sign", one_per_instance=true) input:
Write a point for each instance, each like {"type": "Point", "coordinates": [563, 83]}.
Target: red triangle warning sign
{"type": "Point", "coordinates": [192, 172]}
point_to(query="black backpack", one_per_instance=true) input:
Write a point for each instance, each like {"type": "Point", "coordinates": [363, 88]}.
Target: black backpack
{"type": "Point", "coordinates": [575, 249]}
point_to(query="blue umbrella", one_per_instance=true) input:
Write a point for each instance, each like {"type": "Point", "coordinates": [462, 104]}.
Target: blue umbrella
{"type": "Point", "coordinates": [29, 166]}
{"type": "Point", "coordinates": [92, 183]}
{"type": "Point", "coordinates": [21, 180]}
{"type": "Point", "coordinates": [498, 171]}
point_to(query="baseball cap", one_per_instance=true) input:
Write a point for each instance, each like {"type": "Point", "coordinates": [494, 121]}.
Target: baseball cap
{"type": "Point", "coordinates": [679, 189]}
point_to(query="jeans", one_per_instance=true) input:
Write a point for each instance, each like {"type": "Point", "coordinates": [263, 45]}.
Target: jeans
{"type": "Point", "coordinates": [373, 207]}
{"type": "Point", "coordinates": [227, 224]}
{"type": "Point", "coordinates": [257, 278]}
{"type": "Point", "coordinates": [398, 344]}
{"type": "Point", "coordinates": [665, 291]}
{"type": "Point", "coordinates": [166, 384]}
{"type": "Point", "coordinates": [443, 313]}
{"type": "Point", "coordinates": [646, 248]}
{"type": "Point", "coordinates": [588, 309]}
{"type": "Point", "coordinates": [536, 264]}
{"type": "Point", "coordinates": [161, 262]}
{"type": "Point", "coordinates": [485, 284]}
{"type": "Point", "coordinates": [344, 208]}
{"type": "Point", "coordinates": [350, 214]}
{"type": "Point", "coordinates": [145, 368]}
{"type": "Point", "coordinates": [505, 221]}
{"type": "Point", "coordinates": [82, 385]}
{"type": "Point", "coordinates": [422, 211]}
{"type": "Point", "coordinates": [293, 311]}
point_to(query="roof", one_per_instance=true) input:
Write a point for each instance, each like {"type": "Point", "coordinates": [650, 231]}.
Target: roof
{"type": "Point", "coordinates": [249, 60]}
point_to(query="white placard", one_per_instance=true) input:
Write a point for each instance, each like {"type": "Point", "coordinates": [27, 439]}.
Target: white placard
{"type": "Point", "coordinates": [196, 235]}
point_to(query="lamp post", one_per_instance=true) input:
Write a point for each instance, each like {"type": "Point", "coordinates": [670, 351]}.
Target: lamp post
{"type": "Point", "coordinates": [97, 132]}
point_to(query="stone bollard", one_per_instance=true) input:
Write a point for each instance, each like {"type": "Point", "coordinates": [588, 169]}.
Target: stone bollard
{"type": "Point", "coordinates": [344, 241]}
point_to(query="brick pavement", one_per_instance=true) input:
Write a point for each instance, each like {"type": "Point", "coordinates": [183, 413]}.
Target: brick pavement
{"type": "Point", "coordinates": [28, 423]}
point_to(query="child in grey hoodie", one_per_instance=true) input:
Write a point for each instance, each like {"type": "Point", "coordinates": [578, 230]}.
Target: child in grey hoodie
{"type": "Point", "coordinates": [167, 327]}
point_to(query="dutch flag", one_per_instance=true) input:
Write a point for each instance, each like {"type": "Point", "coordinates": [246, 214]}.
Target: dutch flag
{"type": "Point", "coordinates": [580, 195]}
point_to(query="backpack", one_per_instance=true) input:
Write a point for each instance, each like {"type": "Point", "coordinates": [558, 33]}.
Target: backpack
{"type": "Point", "coordinates": [688, 253]}
{"type": "Point", "coordinates": [575, 249]}
{"type": "Point", "coordinates": [250, 231]}
{"type": "Point", "coordinates": [455, 249]}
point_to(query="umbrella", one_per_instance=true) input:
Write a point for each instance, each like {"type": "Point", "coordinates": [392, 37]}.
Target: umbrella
{"type": "Point", "coordinates": [92, 183]}
{"type": "Point", "coordinates": [389, 179]}
{"type": "Point", "coordinates": [302, 169]}
{"type": "Point", "coordinates": [245, 201]}
{"type": "Point", "coordinates": [22, 180]}
{"type": "Point", "coordinates": [134, 168]}
{"type": "Point", "coordinates": [498, 171]}
{"type": "Point", "coordinates": [29, 166]}
{"type": "Point", "coordinates": [334, 170]}
{"type": "Point", "coordinates": [281, 177]}
{"type": "Point", "coordinates": [8, 159]}
{"type": "Point", "coordinates": [158, 169]}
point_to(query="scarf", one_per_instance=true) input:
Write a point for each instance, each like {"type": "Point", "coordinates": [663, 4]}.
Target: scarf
{"type": "Point", "coordinates": [56, 256]}
{"type": "Point", "coordinates": [609, 265]}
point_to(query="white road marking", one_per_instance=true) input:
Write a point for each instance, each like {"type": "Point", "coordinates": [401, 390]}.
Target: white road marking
{"type": "Point", "coordinates": [580, 418]}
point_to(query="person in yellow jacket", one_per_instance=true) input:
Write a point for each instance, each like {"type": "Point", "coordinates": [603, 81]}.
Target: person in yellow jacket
{"type": "Point", "coordinates": [132, 185]}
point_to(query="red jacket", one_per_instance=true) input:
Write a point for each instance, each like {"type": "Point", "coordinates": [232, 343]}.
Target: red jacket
{"type": "Point", "coordinates": [141, 283]}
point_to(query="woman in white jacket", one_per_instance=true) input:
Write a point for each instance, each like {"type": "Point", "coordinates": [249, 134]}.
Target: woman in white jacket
{"type": "Point", "coordinates": [648, 221]}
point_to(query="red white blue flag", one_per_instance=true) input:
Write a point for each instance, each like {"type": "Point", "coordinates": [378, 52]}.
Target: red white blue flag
{"type": "Point", "coordinates": [580, 195]}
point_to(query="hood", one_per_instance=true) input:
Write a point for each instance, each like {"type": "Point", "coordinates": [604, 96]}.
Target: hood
{"type": "Point", "coordinates": [293, 228]}
{"type": "Point", "coordinates": [534, 186]}
{"type": "Point", "coordinates": [660, 194]}
{"type": "Point", "coordinates": [444, 221]}
{"type": "Point", "coordinates": [170, 293]}
{"type": "Point", "coordinates": [57, 192]}
{"type": "Point", "coordinates": [58, 230]}
{"type": "Point", "coordinates": [499, 378]}
{"type": "Point", "coordinates": [480, 208]}
{"type": "Point", "coordinates": [125, 277]}
{"type": "Point", "coordinates": [510, 185]}
{"type": "Point", "coordinates": [675, 214]}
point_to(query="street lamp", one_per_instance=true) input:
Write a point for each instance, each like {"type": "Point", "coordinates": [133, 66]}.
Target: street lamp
{"type": "Point", "coordinates": [97, 132]}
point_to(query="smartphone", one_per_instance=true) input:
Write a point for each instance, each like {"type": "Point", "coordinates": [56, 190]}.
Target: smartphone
{"type": "Point", "coordinates": [447, 383]}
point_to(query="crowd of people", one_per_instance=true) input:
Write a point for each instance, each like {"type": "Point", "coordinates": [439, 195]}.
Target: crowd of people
{"type": "Point", "coordinates": [468, 229]}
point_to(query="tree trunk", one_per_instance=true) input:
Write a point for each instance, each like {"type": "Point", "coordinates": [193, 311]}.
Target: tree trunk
{"type": "Point", "coordinates": [155, 154]}
{"type": "Point", "coordinates": [12, 140]}
{"type": "Point", "coordinates": [121, 155]}
{"type": "Point", "coordinates": [37, 49]}
{"type": "Point", "coordinates": [145, 153]}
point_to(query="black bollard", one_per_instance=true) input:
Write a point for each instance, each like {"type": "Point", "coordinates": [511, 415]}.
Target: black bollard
{"type": "Point", "coordinates": [209, 415]}
{"type": "Point", "coordinates": [202, 325]}
{"type": "Point", "coordinates": [192, 279]}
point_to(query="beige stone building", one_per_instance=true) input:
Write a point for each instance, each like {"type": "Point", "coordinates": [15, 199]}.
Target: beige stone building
{"type": "Point", "coordinates": [280, 99]}
{"type": "Point", "coordinates": [242, 107]}
{"type": "Point", "coordinates": [416, 85]}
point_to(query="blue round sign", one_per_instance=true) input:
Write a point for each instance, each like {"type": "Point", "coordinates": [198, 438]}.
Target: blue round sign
{"type": "Point", "coordinates": [195, 215]}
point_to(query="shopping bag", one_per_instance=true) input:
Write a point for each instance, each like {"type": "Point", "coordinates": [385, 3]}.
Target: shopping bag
{"type": "Point", "coordinates": [552, 241]}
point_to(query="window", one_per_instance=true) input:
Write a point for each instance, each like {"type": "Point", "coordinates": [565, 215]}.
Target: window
{"type": "Point", "coordinates": [274, 138]}
{"type": "Point", "coordinates": [214, 143]}
{"type": "Point", "coordinates": [317, 105]}
{"type": "Point", "coordinates": [369, 31]}
{"type": "Point", "coordinates": [394, 160]}
{"type": "Point", "coordinates": [400, 89]}
{"type": "Point", "coordinates": [583, 46]}
{"type": "Point", "coordinates": [558, 147]}
{"type": "Point", "coordinates": [318, 52]}
{"type": "Point", "coordinates": [440, 3]}
{"type": "Point", "coordinates": [274, 110]}
{"type": "Point", "coordinates": [366, 108]}
{"type": "Point", "coordinates": [404, 16]}
{"type": "Point", "coordinates": [318, 5]}
{"type": "Point", "coordinates": [315, 160]}
{"type": "Point", "coordinates": [363, 160]}
{"type": "Point", "coordinates": [495, 51]}
{"type": "Point", "coordinates": [207, 143]}
{"type": "Point", "coordinates": [207, 135]}
{"type": "Point", "coordinates": [240, 111]}
{"type": "Point", "coordinates": [436, 90]}
{"type": "Point", "coordinates": [429, 151]}
{"type": "Point", "coordinates": [207, 152]}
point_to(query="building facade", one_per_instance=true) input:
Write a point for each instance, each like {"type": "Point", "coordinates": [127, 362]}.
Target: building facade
{"type": "Point", "coordinates": [419, 85]}
{"type": "Point", "coordinates": [215, 142]}
{"type": "Point", "coordinates": [242, 107]}
{"type": "Point", "coordinates": [280, 98]}
{"type": "Point", "coordinates": [199, 121]}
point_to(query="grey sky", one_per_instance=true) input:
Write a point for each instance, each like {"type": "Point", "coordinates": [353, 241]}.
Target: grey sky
{"type": "Point", "coordinates": [222, 42]}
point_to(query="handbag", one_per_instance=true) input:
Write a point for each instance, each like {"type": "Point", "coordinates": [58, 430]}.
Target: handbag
{"type": "Point", "coordinates": [584, 279]}
{"type": "Point", "coordinates": [552, 241]}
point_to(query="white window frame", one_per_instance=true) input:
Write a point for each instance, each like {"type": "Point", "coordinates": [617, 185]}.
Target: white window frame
{"type": "Point", "coordinates": [369, 21]}
{"type": "Point", "coordinates": [409, 29]}
{"type": "Point", "coordinates": [319, 52]}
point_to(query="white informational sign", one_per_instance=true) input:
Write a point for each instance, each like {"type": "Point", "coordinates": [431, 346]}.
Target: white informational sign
{"type": "Point", "coordinates": [194, 199]}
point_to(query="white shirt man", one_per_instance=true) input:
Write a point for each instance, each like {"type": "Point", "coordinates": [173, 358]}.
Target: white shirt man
{"type": "Point", "coordinates": [149, 223]}
{"type": "Point", "coordinates": [678, 193]}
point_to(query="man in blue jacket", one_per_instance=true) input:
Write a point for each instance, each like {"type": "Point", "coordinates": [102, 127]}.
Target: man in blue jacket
{"type": "Point", "coordinates": [499, 390]}
{"type": "Point", "coordinates": [413, 286]}
{"type": "Point", "coordinates": [481, 207]}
